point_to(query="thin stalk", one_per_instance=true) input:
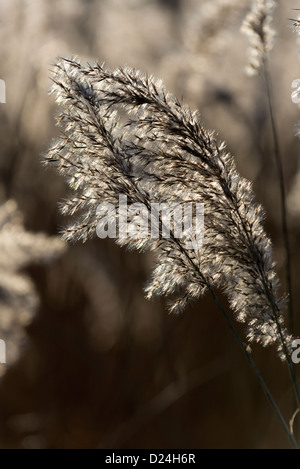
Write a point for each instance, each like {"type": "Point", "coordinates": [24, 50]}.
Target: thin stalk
{"type": "Point", "coordinates": [244, 349]}
{"type": "Point", "coordinates": [284, 225]}
{"type": "Point", "coordinates": [275, 314]}
{"type": "Point", "coordinates": [256, 371]}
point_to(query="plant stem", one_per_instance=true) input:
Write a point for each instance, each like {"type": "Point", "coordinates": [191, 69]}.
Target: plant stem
{"type": "Point", "coordinates": [280, 175]}
{"type": "Point", "coordinates": [241, 344]}
{"type": "Point", "coordinates": [284, 225]}
{"type": "Point", "coordinates": [256, 371]}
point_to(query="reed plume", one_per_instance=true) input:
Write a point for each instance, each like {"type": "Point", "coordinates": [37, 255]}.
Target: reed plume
{"type": "Point", "coordinates": [258, 27]}
{"type": "Point", "coordinates": [124, 134]}
{"type": "Point", "coordinates": [18, 297]}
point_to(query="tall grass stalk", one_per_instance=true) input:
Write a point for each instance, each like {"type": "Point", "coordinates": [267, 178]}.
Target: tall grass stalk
{"type": "Point", "coordinates": [161, 153]}
{"type": "Point", "coordinates": [258, 27]}
{"type": "Point", "coordinates": [280, 175]}
{"type": "Point", "coordinates": [284, 226]}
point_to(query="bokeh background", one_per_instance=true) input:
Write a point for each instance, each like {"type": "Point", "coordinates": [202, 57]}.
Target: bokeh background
{"type": "Point", "coordinates": [90, 362]}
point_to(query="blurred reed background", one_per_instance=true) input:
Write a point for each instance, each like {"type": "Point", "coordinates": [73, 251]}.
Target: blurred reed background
{"type": "Point", "coordinates": [91, 363]}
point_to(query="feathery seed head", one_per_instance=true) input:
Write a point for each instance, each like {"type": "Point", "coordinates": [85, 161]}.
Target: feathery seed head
{"type": "Point", "coordinates": [257, 26]}
{"type": "Point", "coordinates": [125, 135]}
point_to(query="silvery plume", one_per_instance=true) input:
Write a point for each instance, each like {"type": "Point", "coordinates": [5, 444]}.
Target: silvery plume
{"type": "Point", "coordinates": [18, 297]}
{"type": "Point", "coordinates": [258, 27]}
{"type": "Point", "coordinates": [124, 134]}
